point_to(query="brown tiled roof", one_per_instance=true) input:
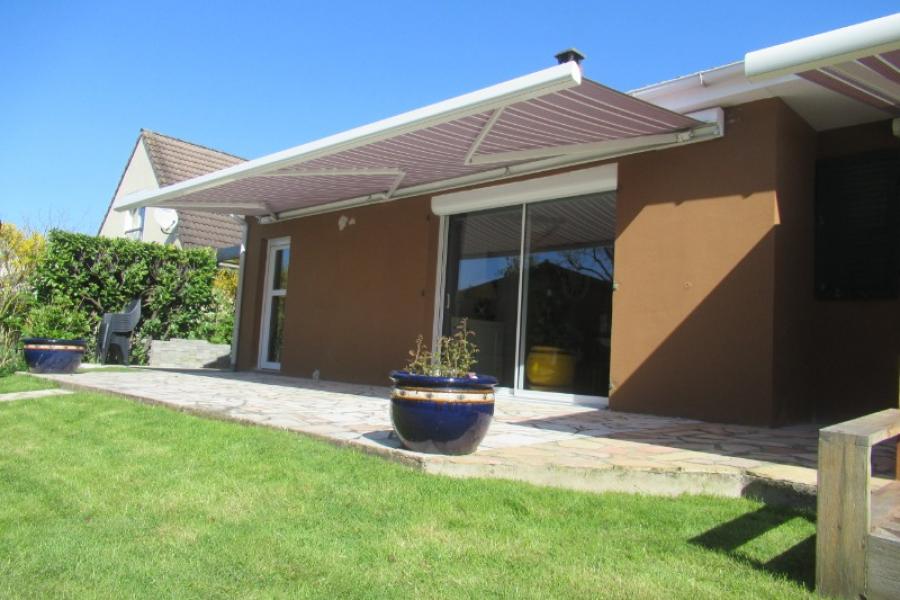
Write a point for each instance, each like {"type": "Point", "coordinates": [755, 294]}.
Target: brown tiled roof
{"type": "Point", "coordinates": [175, 160]}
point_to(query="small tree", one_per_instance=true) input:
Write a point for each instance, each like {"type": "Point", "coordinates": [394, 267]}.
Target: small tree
{"type": "Point", "coordinates": [20, 252]}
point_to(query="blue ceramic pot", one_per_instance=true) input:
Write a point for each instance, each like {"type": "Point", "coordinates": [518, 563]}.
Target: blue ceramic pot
{"type": "Point", "coordinates": [47, 355]}
{"type": "Point", "coordinates": [442, 415]}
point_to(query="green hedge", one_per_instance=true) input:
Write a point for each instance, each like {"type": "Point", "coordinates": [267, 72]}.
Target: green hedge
{"type": "Point", "coordinates": [94, 275]}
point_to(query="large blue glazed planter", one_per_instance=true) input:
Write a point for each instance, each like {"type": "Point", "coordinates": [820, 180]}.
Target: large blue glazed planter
{"type": "Point", "coordinates": [47, 355]}
{"type": "Point", "coordinates": [442, 415]}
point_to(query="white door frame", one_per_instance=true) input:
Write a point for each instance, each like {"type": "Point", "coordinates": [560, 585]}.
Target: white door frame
{"type": "Point", "coordinates": [586, 181]}
{"type": "Point", "coordinates": [275, 244]}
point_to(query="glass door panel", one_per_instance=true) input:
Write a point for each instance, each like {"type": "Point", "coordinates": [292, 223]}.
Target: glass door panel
{"type": "Point", "coordinates": [482, 285]}
{"type": "Point", "coordinates": [567, 295]}
{"type": "Point", "coordinates": [272, 330]}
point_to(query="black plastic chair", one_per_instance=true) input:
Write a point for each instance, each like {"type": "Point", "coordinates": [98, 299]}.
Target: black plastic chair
{"type": "Point", "coordinates": [115, 332]}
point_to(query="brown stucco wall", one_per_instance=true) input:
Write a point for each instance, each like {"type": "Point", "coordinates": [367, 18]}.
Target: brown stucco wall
{"type": "Point", "coordinates": [794, 266]}
{"type": "Point", "coordinates": [857, 343]}
{"type": "Point", "coordinates": [357, 298]}
{"type": "Point", "coordinates": [714, 317]}
{"type": "Point", "coordinates": [694, 309]}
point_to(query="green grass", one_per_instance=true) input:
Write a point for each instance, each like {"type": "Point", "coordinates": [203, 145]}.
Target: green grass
{"type": "Point", "coordinates": [23, 383]}
{"type": "Point", "coordinates": [104, 498]}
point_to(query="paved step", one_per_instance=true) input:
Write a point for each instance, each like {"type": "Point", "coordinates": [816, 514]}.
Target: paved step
{"type": "Point", "coordinates": [548, 444]}
{"type": "Point", "coordinates": [32, 394]}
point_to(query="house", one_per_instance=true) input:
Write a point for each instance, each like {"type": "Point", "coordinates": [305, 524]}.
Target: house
{"type": "Point", "coordinates": [158, 161]}
{"type": "Point", "coordinates": [734, 231]}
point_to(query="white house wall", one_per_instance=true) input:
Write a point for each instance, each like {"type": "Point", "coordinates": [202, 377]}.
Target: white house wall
{"type": "Point", "coordinates": [138, 176]}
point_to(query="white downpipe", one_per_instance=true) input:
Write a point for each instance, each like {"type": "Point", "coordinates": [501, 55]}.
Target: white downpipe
{"type": "Point", "coordinates": [235, 332]}
{"type": "Point", "coordinates": [829, 48]}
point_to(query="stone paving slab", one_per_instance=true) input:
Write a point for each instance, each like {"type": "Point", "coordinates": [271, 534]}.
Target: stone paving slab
{"type": "Point", "coordinates": [32, 394]}
{"type": "Point", "coordinates": [545, 443]}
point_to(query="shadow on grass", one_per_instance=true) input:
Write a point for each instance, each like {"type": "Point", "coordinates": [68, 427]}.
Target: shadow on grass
{"type": "Point", "coordinates": [797, 563]}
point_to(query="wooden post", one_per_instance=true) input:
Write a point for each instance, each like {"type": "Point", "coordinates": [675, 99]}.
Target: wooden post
{"type": "Point", "coordinates": [843, 515]}
{"type": "Point", "coordinates": [844, 502]}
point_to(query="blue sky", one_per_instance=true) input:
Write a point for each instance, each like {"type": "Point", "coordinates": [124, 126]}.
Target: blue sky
{"type": "Point", "coordinates": [79, 79]}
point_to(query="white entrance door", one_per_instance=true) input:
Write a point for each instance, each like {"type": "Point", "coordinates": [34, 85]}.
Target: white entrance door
{"type": "Point", "coordinates": [271, 331]}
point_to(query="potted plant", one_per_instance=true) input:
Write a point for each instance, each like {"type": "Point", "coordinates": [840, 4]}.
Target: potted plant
{"type": "Point", "coordinates": [54, 341]}
{"type": "Point", "coordinates": [550, 364]}
{"type": "Point", "coordinates": [438, 405]}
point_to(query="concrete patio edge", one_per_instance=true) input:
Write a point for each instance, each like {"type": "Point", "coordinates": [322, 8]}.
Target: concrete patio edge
{"type": "Point", "coordinates": [761, 484]}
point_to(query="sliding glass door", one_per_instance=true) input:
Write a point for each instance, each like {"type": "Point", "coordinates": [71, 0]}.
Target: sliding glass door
{"type": "Point", "coordinates": [535, 283]}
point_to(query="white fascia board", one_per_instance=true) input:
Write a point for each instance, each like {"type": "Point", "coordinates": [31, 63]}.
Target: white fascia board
{"type": "Point", "coordinates": [586, 181]}
{"type": "Point", "coordinates": [546, 81]}
{"type": "Point", "coordinates": [831, 47]}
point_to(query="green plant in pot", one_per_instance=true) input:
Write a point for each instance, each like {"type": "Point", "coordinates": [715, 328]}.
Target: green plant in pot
{"type": "Point", "coordinates": [438, 404]}
{"type": "Point", "coordinates": [54, 340]}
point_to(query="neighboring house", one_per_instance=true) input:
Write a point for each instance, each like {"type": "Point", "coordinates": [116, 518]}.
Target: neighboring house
{"type": "Point", "coordinates": [721, 246]}
{"type": "Point", "coordinates": [158, 161]}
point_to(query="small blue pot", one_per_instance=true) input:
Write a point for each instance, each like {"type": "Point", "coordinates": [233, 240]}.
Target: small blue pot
{"type": "Point", "coordinates": [48, 355]}
{"type": "Point", "coordinates": [442, 415]}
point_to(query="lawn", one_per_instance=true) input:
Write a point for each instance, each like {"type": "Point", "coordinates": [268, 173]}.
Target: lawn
{"type": "Point", "coordinates": [23, 383]}
{"type": "Point", "coordinates": [101, 497]}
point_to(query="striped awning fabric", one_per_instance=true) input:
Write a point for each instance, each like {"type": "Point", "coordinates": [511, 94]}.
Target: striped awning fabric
{"type": "Point", "coordinates": [456, 139]}
{"type": "Point", "coordinates": [874, 80]}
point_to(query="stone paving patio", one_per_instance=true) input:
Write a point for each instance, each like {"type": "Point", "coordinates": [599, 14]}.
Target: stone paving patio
{"type": "Point", "coordinates": [545, 443]}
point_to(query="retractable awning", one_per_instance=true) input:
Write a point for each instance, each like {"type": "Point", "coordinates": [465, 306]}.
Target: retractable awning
{"type": "Point", "coordinates": [546, 119]}
{"type": "Point", "coordinates": [861, 61]}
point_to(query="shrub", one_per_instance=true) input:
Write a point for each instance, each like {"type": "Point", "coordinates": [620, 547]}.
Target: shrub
{"type": "Point", "coordinates": [57, 319]}
{"type": "Point", "coordinates": [218, 324]}
{"type": "Point", "coordinates": [91, 276]}
{"type": "Point", "coordinates": [19, 254]}
{"type": "Point", "coordinates": [11, 359]}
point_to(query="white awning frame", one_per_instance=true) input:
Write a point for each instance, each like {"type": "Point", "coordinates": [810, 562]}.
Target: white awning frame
{"type": "Point", "coordinates": [832, 47]}
{"type": "Point", "coordinates": [536, 84]}
{"type": "Point", "coordinates": [286, 164]}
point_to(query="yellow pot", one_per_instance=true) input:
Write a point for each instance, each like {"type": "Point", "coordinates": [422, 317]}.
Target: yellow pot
{"type": "Point", "coordinates": [549, 367]}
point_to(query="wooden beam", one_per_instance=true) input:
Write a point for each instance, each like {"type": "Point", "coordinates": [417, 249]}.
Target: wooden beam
{"type": "Point", "coordinates": [842, 521]}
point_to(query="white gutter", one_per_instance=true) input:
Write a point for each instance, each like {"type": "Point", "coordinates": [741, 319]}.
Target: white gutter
{"type": "Point", "coordinates": [829, 48]}
{"type": "Point", "coordinates": [536, 84]}
{"type": "Point", "coordinates": [235, 332]}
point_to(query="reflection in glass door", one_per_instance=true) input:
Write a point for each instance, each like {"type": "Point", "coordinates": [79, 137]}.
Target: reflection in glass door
{"type": "Point", "coordinates": [546, 327]}
{"type": "Point", "coordinates": [275, 293]}
{"type": "Point", "coordinates": [567, 295]}
{"type": "Point", "coordinates": [482, 285]}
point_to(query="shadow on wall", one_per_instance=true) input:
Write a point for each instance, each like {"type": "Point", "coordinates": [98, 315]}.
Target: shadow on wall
{"type": "Point", "coordinates": [715, 316]}
{"type": "Point", "coordinates": [716, 364]}
{"type": "Point", "coordinates": [719, 363]}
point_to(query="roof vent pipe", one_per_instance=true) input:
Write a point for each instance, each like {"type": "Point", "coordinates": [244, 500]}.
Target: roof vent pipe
{"type": "Point", "coordinates": [570, 55]}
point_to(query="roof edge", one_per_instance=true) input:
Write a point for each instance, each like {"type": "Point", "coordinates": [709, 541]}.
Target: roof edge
{"type": "Point", "coordinates": [183, 141]}
{"type": "Point", "coordinates": [112, 200]}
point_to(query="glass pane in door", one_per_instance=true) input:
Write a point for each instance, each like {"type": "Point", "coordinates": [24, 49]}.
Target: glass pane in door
{"type": "Point", "coordinates": [280, 273]}
{"type": "Point", "coordinates": [567, 294]}
{"type": "Point", "coordinates": [482, 285]}
{"type": "Point", "coordinates": [276, 329]}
